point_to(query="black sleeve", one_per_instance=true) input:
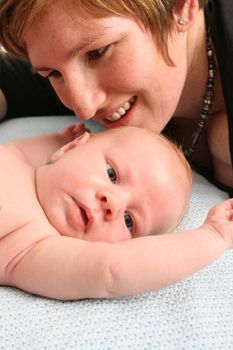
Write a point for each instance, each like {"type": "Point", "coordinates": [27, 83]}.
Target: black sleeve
{"type": "Point", "coordinates": [27, 94]}
{"type": "Point", "coordinates": [219, 15]}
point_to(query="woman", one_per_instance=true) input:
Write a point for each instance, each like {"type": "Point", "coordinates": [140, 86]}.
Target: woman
{"type": "Point", "coordinates": [146, 63]}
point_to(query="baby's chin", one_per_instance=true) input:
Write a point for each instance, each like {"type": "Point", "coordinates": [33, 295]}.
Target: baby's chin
{"type": "Point", "coordinates": [73, 234]}
{"type": "Point", "coordinates": [65, 229]}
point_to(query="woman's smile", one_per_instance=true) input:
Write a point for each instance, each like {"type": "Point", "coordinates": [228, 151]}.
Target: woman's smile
{"type": "Point", "coordinates": [121, 111]}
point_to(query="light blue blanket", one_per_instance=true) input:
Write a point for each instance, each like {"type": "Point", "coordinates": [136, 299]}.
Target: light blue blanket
{"type": "Point", "coordinates": [195, 314]}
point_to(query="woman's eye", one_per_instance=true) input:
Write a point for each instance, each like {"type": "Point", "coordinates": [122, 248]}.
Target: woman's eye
{"type": "Point", "coordinates": [111, 173]}
{"type": "Point", "coordinates": [55, 74]}
{"type": "Point", "coordinates": [95, 54]}
{"type": "Point", "coordinates": [128, 221]}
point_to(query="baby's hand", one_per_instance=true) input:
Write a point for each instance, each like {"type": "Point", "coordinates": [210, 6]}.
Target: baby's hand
{"type": "Point", "coordinates": [73, 131]}
{"type": "Point", "coordinates": [220, 221]}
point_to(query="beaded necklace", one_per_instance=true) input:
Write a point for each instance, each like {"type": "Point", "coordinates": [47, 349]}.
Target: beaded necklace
{"type": "Point", "coordinates": [208, 98]}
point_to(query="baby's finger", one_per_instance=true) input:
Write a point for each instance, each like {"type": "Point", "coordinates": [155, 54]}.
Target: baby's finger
{"type": "Point", "coordinates": [229, 208]}
{"type": "Point", "coordinates": [79, 131]}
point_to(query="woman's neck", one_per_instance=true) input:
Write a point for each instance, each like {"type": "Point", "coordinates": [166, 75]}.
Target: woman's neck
{"type": "Point", "coordinates": [197, 73]}
{"type": "Point", "coordinates": [194, 87]}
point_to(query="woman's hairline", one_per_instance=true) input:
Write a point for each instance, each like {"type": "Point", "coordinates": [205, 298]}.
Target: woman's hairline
{"type": "Point", "coordinates": [20, 26]}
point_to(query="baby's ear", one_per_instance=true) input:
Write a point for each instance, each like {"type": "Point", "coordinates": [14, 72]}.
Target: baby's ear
{"type": "Point", "coordinates": [67, 147]}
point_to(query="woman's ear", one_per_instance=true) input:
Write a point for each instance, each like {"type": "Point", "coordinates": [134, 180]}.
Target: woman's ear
{"type": "Point", "coordinates": [185, 14]}
{"type": "Point", "coordinates": [67, 147]}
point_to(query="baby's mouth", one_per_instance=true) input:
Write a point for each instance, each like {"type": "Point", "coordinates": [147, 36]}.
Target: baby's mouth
{"type": "Point", "coordinates": [83, 213]}
{"type": "Point", "coordinates": [123, 110]}
{"type": "Point", "coordinates": [84, 216]}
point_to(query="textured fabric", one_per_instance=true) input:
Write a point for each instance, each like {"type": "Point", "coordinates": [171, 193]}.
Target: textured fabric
{"type": "Point", "coordinates": [195, 314]}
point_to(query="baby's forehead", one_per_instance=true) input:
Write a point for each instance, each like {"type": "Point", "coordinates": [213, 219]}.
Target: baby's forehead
{"type": "Point", "coordinates": [128, 133]}
{"type": "Point", "coordinates": [138, 140]}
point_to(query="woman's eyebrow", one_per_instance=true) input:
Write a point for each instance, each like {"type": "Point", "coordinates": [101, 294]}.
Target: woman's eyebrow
{"type": "Point", "coordinates": [72, 52]}
{"type": "Point", "coordinates": [85, 42]}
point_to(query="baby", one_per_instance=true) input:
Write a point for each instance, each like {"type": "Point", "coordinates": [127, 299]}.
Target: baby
{"type": "Point", "coordinates": [65, 198]}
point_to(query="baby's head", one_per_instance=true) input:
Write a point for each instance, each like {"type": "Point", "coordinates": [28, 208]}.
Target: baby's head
{"type": "Point", "coordinates": [115, 185]}
{"type": "Point", "coordinates": [166, 173]}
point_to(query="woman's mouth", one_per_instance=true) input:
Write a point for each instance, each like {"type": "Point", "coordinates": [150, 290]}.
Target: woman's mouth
{"type": "Point", "coordinates": [122, 111]}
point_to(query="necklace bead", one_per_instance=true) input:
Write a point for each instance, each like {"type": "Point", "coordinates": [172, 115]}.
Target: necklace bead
{"type": "Point", "coordinates": [208, 98]}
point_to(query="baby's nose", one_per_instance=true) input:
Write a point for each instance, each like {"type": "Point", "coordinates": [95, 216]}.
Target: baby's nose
{"type": "Point", "coordinates": [110, 204]}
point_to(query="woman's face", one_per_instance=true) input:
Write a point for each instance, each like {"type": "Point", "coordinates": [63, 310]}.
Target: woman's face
{"type": "Point", "coordinates": [108, 69]}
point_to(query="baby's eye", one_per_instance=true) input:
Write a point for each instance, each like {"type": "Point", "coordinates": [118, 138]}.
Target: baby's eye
{"type": "Point", "coordinates": [96, 54]}
{"type": "Point", "coordinates": [111, 173]}
{"type": "Point", "coordinates": [128, 221]}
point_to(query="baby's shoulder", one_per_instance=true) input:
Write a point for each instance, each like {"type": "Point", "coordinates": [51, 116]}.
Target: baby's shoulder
{"type": "Point", "coordinates": [17, 181]}
{"type": "Point", "coordinates": [10, 159]}
{"type": "Point", "coordinates": [3, 150]}
{"type": "Point", "coordinates": [22, 220]}
{"type": "Point", "coordinates": [18, 198]}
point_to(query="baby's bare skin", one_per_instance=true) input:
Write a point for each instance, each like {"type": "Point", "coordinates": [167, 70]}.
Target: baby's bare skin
{"type": "Point", "coordinates": [36, 258]}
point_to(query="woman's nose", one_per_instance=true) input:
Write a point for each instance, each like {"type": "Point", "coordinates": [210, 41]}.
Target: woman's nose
{"type": "Point", "coordinates": [85, 96]}
{"type": "Point", "coordinates": [110, 203]}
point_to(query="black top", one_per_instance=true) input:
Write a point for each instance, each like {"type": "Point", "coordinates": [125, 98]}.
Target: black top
{"type": "Point", "coordinates": [219, 15]}
{"type": "Point", "coordinates": [27, 94]}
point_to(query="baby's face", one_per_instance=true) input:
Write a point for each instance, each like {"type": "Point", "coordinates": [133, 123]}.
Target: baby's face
{"type": "Point", "coordinates": [109, 188]}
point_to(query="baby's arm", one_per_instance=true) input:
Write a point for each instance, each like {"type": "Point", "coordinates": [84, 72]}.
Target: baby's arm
{"type": "Point", "coordinates": [38, 150]}
{"type": "Point", "coordinates": [172, 257]}
{"type": "Point", "coordinates": [68, 268]}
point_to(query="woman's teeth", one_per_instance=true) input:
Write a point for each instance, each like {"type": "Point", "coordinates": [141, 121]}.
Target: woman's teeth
{"type": "Point", "coordinates": [121, 111]}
